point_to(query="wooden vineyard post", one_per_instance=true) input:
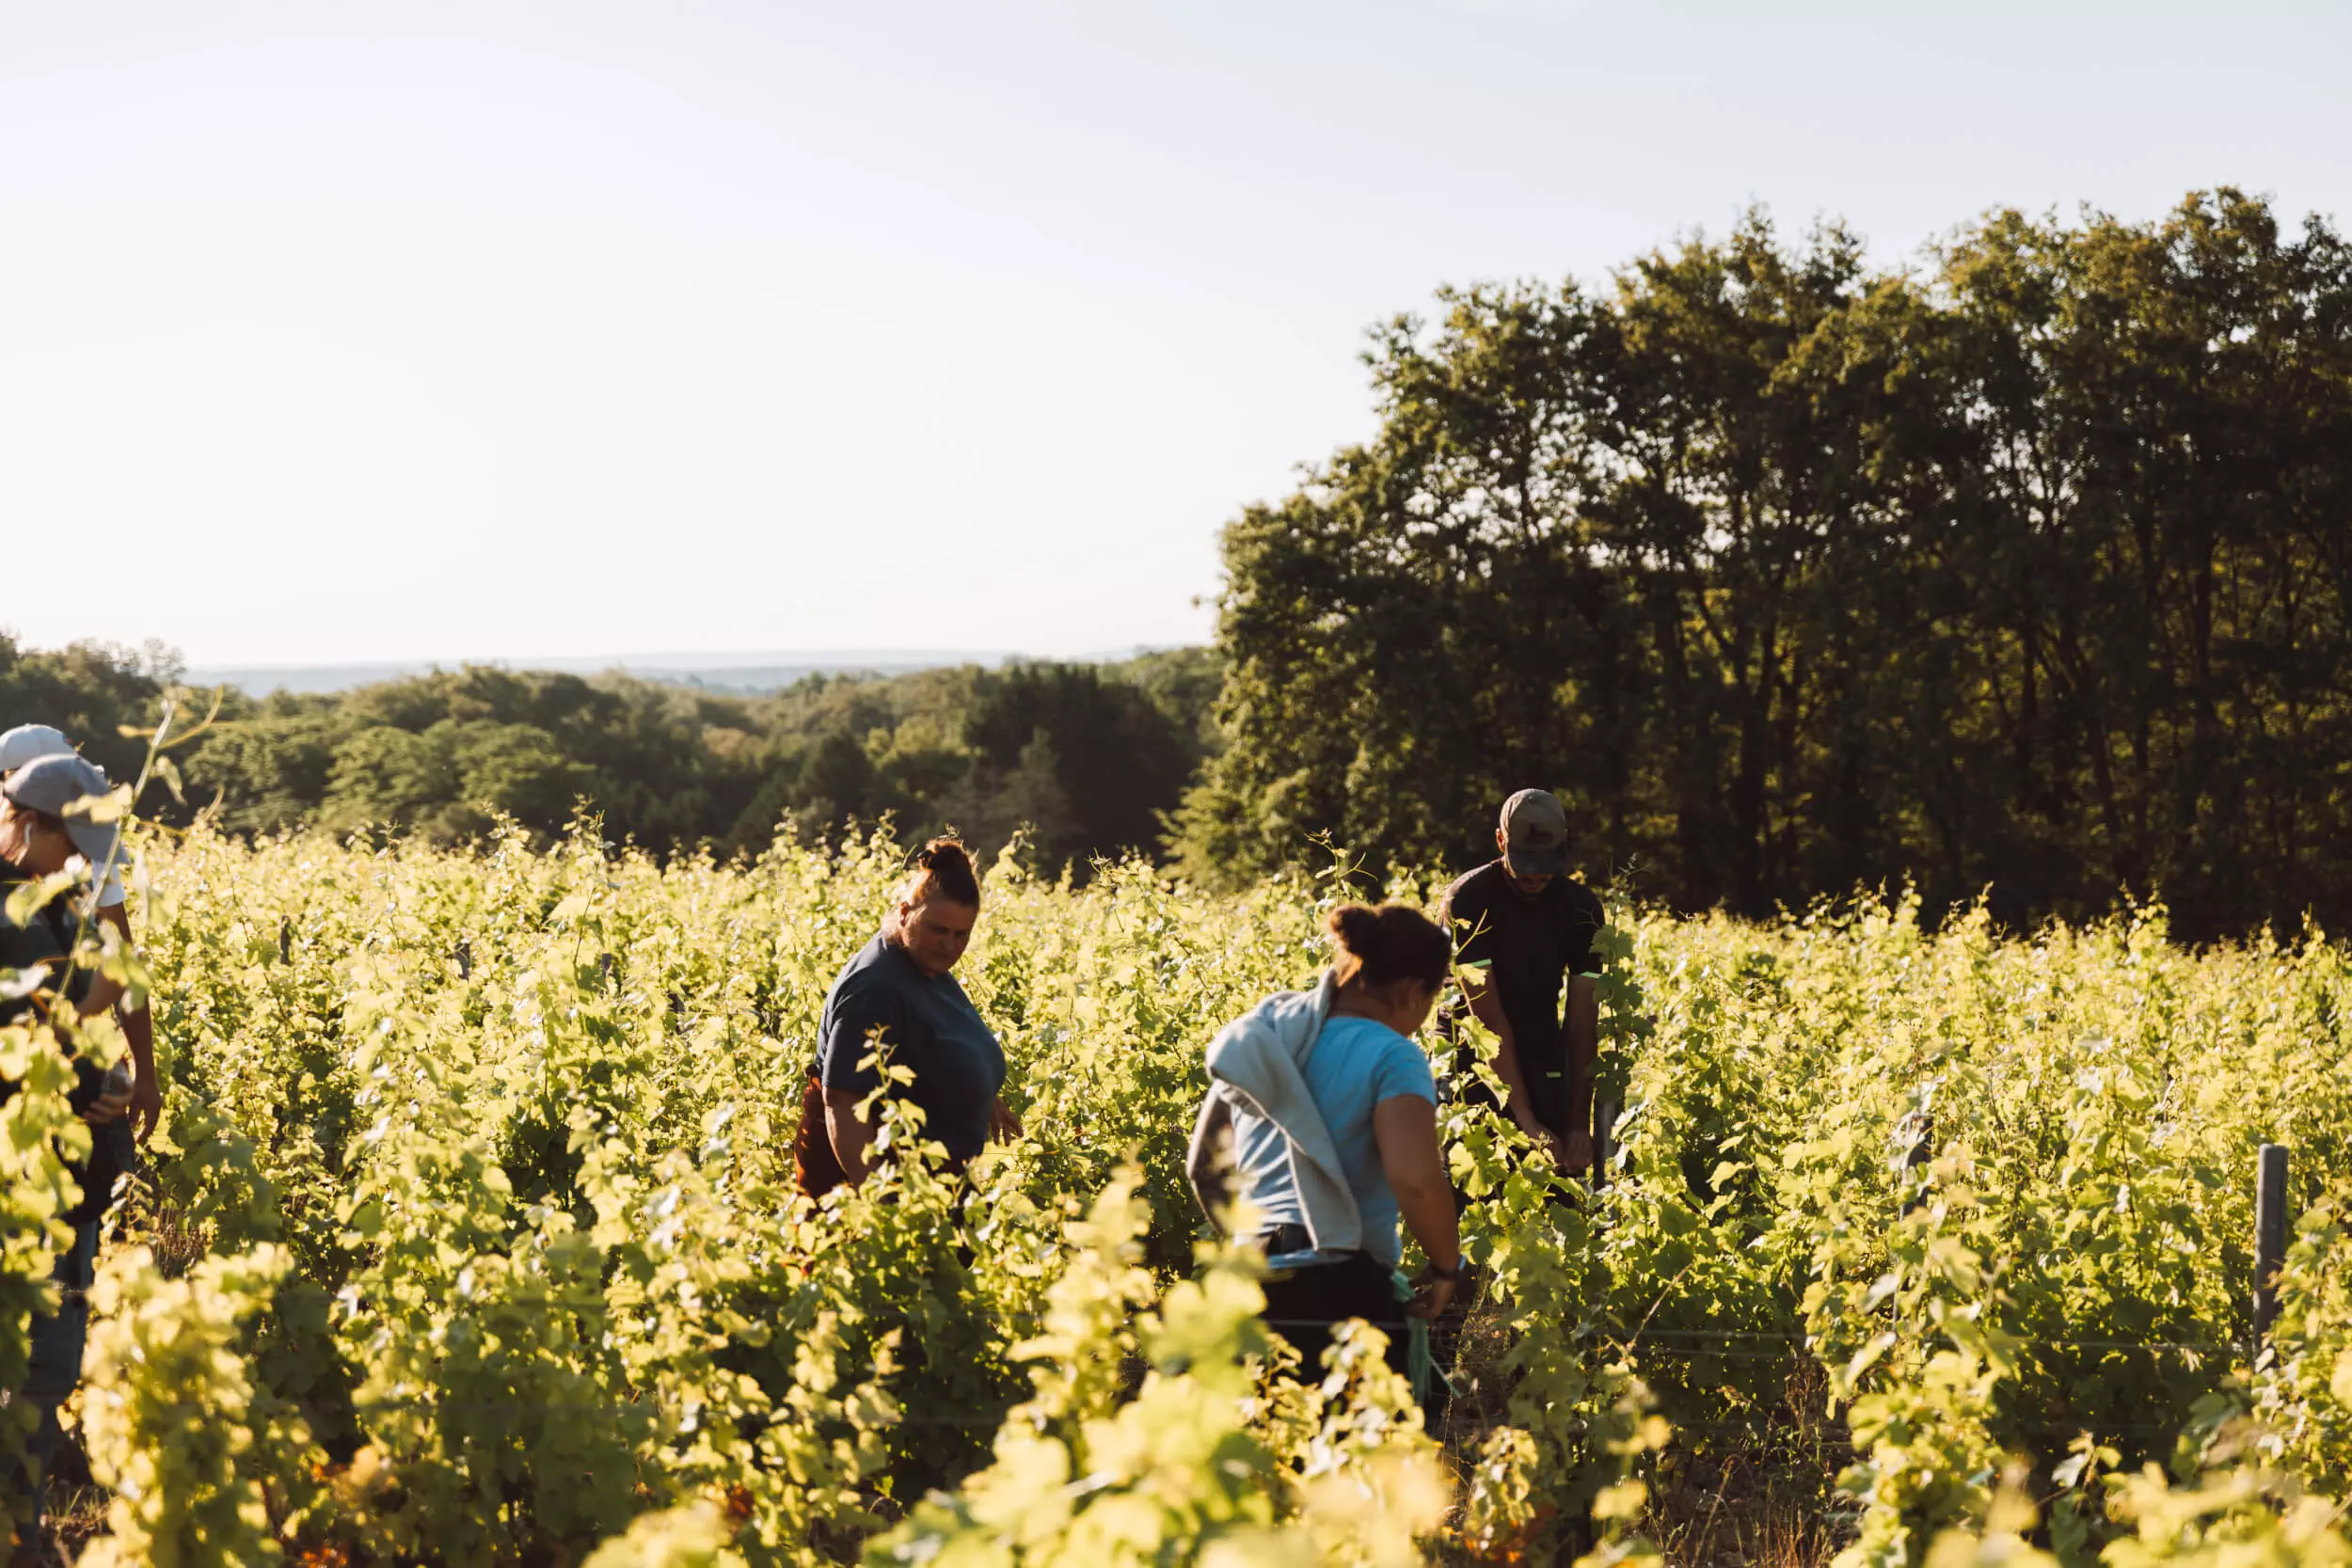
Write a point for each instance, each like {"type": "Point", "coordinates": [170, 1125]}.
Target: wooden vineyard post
{"type": "Point", "coordinates": [1922, 1149]}
{"type": "Point", "coordinates": [1604, 1126]}
{"type": "Point", "coordinates": [2270, 1237]}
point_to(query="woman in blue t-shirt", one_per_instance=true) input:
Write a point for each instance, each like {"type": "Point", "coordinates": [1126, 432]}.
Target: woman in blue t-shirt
{"type": "Point", "coordinates": [1347, 1050]}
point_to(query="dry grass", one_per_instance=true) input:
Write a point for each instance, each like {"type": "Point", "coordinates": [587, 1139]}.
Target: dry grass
{"type": "Point", "coordinates": [1760, 1496]}
{"type": "Point", "coordinates": [78, 1515]}
{"type": "Point", "coordinates": [1763, 1495]}
{"type": "Point", "coordinates": [1746, 1509]}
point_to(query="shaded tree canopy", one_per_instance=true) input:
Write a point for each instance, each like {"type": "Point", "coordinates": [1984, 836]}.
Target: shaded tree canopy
{"type": "Point", "coordinates": [2025, 569]}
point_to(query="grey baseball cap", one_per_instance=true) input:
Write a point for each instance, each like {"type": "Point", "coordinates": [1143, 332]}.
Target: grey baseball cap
{"type": "Point", "coordinates": [1534, 834]}
{"type": "Point", "coordinates": [53, 784]}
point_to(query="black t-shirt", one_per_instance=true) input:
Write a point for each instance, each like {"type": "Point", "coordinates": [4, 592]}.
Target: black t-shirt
{"type": "Point", "coordinates": [929, 1026]}
{"type": "Point", "coordinates": [47, 938]}
{"type": "Point", "coordinates": [1528, 947]}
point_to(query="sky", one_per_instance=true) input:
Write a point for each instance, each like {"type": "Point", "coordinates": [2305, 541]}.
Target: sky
{"type": "Point", "coordinates": [438, 332]}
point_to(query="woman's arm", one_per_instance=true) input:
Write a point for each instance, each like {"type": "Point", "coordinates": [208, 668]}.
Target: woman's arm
{"type": "Point", "coordinates": [848, 1132]}
{"type": "Point", "coordinates": [861, 1019]}
{"type": "Point", "coordinates": [1210, 1159]}
{"type": "Point", "coordinates": [1404, 1127]}
{"type": "Point", "coordinates": [103, 993]}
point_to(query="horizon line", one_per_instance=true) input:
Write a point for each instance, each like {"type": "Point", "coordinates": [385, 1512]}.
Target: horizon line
{"type": "Point", "coordinates": [757, 658]}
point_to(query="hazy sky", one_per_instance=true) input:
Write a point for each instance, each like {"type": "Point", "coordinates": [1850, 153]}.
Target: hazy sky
{"type": "Point", "coordinates": [359, 331]}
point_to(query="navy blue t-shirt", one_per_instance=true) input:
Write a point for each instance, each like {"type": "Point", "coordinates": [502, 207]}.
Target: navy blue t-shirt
{"type": "Point", "coordinates": [926, 1024]}
{"type": "Point", "coordinates": [47, 938]}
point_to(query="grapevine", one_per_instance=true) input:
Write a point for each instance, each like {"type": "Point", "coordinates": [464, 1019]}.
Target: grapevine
{"type": "Point", "coordinates": [472, 1238]}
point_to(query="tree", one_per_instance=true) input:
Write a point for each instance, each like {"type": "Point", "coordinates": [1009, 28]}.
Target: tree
{"type": "Point", "coordinates": [2023, 569]}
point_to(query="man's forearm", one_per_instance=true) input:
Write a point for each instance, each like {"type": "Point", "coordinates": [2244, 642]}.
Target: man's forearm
{"type": "Point", "coordinates": [1487, 1007]}
{"type": "Point", "coordinates": [1583, 1051]}
{"type": "Point", "coordinates": [1517, 1101]}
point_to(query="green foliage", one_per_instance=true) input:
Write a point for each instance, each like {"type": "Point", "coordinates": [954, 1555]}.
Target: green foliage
{"type": "Point", "coordinates": [2303, 1388]}
{"type": "Point", "coordinates": [2018, 567]}
{"type": "Point", "coordinates": [176, 1425]}
{"type": "Point", "coordinates": [89, 691]}
{"type": "Point", "coordinates": [38, 1133]}
{"type": "Point", "coordinates": [484, 1160]}
{"type": "Point", "coordinates": [1086, 756]}
{"type": "Point", "coordinates": [1099, 1467]}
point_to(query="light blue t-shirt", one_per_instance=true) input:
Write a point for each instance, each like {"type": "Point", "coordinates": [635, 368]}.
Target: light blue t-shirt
{"type": "Point", "coordinates": [1355, 1065]}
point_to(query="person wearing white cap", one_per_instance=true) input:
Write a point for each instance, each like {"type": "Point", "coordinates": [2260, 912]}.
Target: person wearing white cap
{"type": "Point", "coordinates": [39, 838]}
{"type": "Point", "coordinates": [30, 743]}
{"type": "Point", "coordinates": [19, 748]}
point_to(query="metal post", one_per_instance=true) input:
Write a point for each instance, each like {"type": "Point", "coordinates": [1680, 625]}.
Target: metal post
{"type": "Point", "coordinates": [1604, 1128]}
{"type": "Point", "coordinates": [2270, 1236]}
{"type": "Point", "coordinates": [1922, 1150]}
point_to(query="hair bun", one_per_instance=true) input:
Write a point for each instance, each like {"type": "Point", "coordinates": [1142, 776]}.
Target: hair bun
{"type": "Point", "coordinates": [942, 866]}
{"type": "Point", "coordinates": [1357, 927]}
{"type": "Point", "coordinates": [1391, 942]}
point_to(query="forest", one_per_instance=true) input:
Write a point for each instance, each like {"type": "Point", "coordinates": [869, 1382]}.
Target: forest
{"type": "Point", "coordinates": [2025, 569]}
{"type": "Point", "coordinates": [1085, 758]}
{"type": "Point", "coordinates": [2019, 572]}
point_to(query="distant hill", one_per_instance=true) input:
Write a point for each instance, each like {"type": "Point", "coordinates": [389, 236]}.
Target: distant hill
{"type": "Point", "coordinates": [1080, 758]}
{"type": "Point", "coordinates": [746, 674]}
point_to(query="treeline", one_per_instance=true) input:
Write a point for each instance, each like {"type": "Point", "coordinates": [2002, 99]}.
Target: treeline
{"type": "Point", "coordinates": [1087, 757]}
{"type": "Point", "coordinates": [2027, 568]}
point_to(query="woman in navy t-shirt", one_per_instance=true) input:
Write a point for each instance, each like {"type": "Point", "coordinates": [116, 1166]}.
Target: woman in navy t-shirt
{"type": "Point", "coordinates": [898, 999]}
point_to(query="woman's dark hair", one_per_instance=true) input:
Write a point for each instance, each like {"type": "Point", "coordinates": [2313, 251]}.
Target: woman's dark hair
{"type": "Point", "coordinates": [1395, 941]}
{"type": "Point", "coordinates": [941, 869]}
{"type": "Point", "coordinates": [48, 821]}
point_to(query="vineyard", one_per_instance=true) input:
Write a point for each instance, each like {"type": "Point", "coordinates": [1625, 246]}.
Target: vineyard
{"type": "Point", "coordinates": [471, 1238]}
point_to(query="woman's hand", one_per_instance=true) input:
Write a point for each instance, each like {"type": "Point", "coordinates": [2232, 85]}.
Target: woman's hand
{"type": "Point", "coordinates": [1003, 1125]}
{"type": "Point", "coordinates": [1431, 1295]}
{"type": "Point", "coordinates": [1405, 1127]}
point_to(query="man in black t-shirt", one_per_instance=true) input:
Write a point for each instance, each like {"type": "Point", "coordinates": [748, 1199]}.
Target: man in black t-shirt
{"type": "Point", "coordinates": [1522, 927]}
